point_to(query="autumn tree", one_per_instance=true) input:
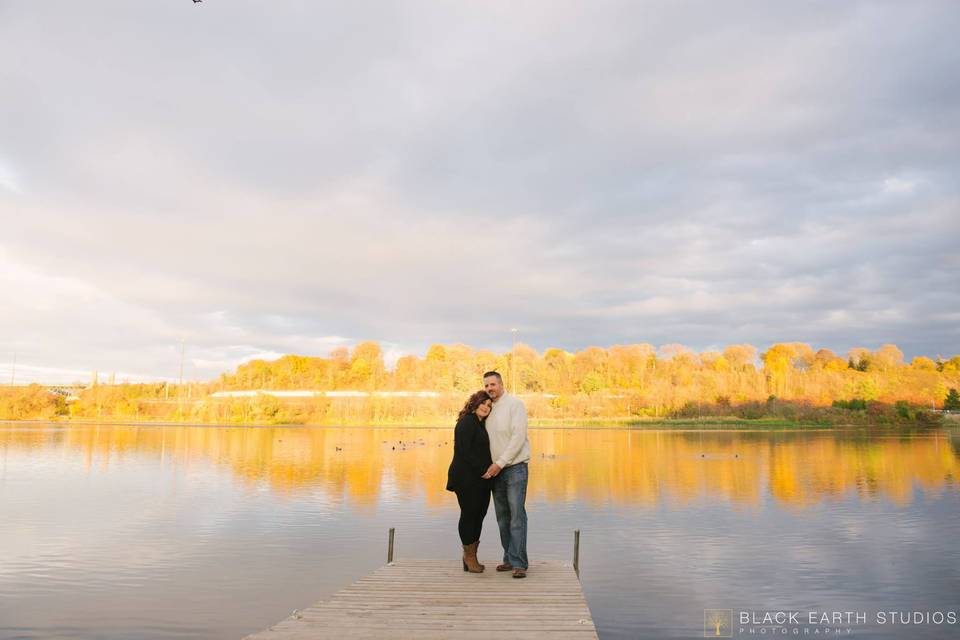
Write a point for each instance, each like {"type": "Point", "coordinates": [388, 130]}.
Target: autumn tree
{"type": "Point", "coordinates": [829, 361]}
{"type": "Point", "coordinates": [525, 361]}
{"type": "Point", "coordinates": [887, 357]}
{"type": "Point", "coordinates": [952, 401]}
{"type": "Point", "coordinates": [674, 351]}
{"type": "Point", "coordinates": [558, 370]}
{"type": "Point", "coordinates": [406, 373]}
{"type": "Point", "coordinates": [740, 356]}
{"type": "Point", "coordinates": [803, 355]}
{"type": "Point", "coordinates": [483, 361]}
{"type": "Point", "coordinates": [714, 360]}
{"type": "Point", "coordinates": [859, 358]}
{"type": "Point", "coordinates": [777, 361]}
{"type": "Point", "coordinates": [437, 367]}
{"type": "Point", "coordinates": [627, 364]}
{"type": "Point", "coordinates": [366, 365]}
{"type": "Point", "coordinates": [591, 362]}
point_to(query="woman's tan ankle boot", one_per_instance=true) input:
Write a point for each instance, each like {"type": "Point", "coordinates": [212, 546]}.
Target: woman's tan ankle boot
{"type": "Point", "coordinates": [470, 559]}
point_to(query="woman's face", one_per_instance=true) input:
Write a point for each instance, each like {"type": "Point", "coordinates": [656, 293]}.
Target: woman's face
{"type": "Point", "coordinates": [484, 409]}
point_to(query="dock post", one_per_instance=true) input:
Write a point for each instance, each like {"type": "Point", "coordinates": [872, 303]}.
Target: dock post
{"type": "Point", "coordinates": [576, 552]}
{"type": "Point", "coordinates": [390, 547]}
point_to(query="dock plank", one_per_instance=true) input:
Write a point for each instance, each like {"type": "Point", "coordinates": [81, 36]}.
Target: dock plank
{"type": "Point", "coordinates": [432, 599]}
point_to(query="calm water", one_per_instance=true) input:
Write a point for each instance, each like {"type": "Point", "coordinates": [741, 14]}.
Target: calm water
{"type": "Point", "coordinates": [193, 532]}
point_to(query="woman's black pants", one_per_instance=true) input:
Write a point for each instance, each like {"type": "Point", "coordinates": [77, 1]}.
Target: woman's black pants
{"type": "Point", "coordinates": [474, 501]}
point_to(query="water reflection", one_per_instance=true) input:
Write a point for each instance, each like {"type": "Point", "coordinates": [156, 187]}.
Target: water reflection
{"type": "Point", "coordinates": [645, 468]}
{"type": "Point", "coordinates": [200, 532]}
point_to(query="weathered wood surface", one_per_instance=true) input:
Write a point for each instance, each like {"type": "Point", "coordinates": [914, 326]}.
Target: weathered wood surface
{"type": "Point", "coordinates": [436, 599]}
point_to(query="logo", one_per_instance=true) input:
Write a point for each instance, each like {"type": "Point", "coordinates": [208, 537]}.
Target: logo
{"type": "Point", "coordinates": [718, 623]}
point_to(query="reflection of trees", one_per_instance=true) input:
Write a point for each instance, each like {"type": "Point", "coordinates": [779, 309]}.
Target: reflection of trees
{"type": "Point", "coordinates": [953, 437]}
{"type": "Point", "coordinates": [622, 466]}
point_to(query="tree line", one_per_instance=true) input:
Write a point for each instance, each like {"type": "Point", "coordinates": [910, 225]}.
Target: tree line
{"type": "Point", "coordinates": [789, 380]}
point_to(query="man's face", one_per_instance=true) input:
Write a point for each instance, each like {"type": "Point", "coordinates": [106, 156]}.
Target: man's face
{"type": "Point", "coordinates": [493, 386]}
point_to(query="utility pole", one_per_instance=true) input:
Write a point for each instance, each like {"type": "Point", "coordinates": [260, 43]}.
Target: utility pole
{"type": "Point", "coordinates": [13, 370]}
{"type": "Point", "coordinates": [513, 361]}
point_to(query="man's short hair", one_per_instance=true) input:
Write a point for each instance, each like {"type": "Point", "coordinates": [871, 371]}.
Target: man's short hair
{"type": "Point", "coordinates": [493, 373]}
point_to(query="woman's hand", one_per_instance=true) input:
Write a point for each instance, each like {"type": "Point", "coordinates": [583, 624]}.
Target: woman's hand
{"type": "Point", "coordinates": [492, 471]}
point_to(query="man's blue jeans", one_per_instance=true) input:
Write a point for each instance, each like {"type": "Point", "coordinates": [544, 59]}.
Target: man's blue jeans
{"type": "Point", "coordinates": [509, 496]}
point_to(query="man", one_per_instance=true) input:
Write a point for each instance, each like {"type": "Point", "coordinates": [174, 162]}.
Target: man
{"type": "Point", "coordinates": [510, 451]}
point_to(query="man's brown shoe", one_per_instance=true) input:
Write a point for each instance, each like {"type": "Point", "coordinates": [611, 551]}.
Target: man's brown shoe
{"type": "Point", "coordinates": [506, 566]}
{"type": "Point", "coordinates": [519, 573]}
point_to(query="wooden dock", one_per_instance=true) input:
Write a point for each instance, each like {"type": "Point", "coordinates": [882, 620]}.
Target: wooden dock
{"type": "Point", "coordinates": [420, 599]}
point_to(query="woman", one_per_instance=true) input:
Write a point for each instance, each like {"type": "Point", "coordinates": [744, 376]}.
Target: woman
{"type": "Point", "coordinates": [471, 459]}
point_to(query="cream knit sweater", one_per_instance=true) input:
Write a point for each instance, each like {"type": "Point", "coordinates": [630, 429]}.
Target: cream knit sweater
{"type": "Point", "coordinates": [507, 427]}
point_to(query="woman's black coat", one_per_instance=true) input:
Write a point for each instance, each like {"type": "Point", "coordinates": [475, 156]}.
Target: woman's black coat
{"type": "Point", "coordinates": [471, 454]}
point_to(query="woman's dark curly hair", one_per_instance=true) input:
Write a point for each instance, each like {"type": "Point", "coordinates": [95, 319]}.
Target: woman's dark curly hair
{"type": "Point", "coordinates": [473, 402]}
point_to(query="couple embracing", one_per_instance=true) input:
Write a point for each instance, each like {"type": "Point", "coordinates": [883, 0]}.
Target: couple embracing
{"type": "Point", "coordinates": [490, 455]}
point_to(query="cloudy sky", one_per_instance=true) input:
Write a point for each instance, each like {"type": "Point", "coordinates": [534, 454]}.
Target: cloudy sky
{"type": "Point", "coordinates": [259, 178]}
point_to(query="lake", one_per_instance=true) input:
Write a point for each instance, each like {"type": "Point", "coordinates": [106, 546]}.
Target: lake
{"type": "Point", "coordinates": [151, 532]}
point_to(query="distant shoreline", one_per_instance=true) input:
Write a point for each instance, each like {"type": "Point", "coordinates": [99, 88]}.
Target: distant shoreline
{"type": "Point", "coordinates": [711, 424]}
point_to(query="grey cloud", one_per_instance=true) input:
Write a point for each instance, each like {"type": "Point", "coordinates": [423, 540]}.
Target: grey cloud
{"type": "Point", "coordinates": [281, 177]}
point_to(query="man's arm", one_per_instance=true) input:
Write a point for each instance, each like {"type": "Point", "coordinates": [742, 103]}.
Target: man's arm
{"type": "Point", "coordinates": [518, 434]}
